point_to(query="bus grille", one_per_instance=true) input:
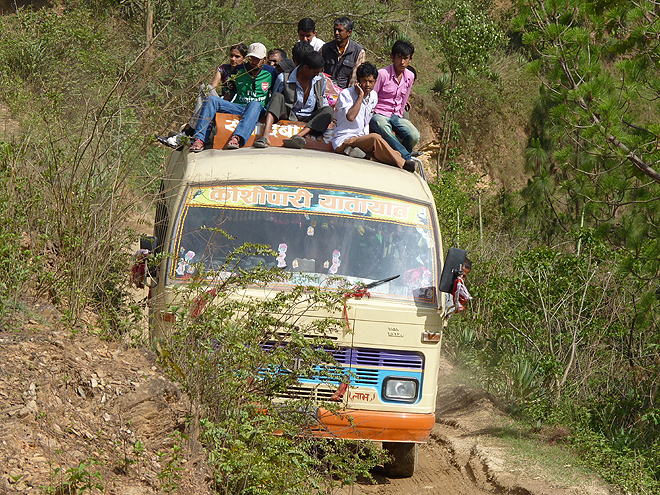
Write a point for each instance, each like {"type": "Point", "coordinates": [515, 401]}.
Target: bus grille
{"type": "Point", "coordinates": [308, 392]}
{"type": "Point", "coordinates": [362, 367]}
{"type": "Point", "coordinates": [382, 358]}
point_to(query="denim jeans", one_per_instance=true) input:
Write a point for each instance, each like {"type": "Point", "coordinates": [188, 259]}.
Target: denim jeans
{"type": "Point", "coordinates": [213, 104]}
{"type": "Point", "coordinates": [399, 133]}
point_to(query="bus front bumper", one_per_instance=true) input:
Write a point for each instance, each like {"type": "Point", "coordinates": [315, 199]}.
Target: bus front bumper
{"type": "Point", "coordinates": [378, 426]}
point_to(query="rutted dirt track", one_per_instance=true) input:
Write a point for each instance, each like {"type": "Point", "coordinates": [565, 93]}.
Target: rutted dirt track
{"type": "Point", "coordinates": [66, 400]}
{"type": "Point", "coordinates": [462, 457]}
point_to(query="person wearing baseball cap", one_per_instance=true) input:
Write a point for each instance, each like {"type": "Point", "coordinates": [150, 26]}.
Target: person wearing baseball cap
{"type": "Point", "coordinates": [254, 82]}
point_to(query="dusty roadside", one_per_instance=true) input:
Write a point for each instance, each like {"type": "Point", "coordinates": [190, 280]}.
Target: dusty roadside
{"type": "Point", "coordinates": [72, 404]}
{"type": "Point", "coordinates": [75, 406]}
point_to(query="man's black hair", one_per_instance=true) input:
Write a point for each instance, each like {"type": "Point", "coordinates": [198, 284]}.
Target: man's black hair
{"type": "Point", "coordinates": [366, 69]}
{"type": "Point", "coordinates": [306, 25]}
{"type": "Point", "coordinates": [344, 21]}
{"type": "Point", "coordinates": [278, 50]}
{"type": "Point", "coordinates": [403, 48]}
{"type": "Point", "coordinates": [467, 263]}
{"type": "Point", "coordinates": [299, 50]}
{"type": "Point", "coordinates": [313, 60]}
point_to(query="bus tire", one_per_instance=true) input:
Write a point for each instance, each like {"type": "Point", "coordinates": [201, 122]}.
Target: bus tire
{"type": "Point", "coordinates": [404, 459]}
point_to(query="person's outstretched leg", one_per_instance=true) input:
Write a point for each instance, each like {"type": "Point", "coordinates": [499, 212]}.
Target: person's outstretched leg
{"type": "Point", "coordinates": [381, 125]}
{"type": "Point", "coordinates": [249, 121]}
{"type": "Point", "coordinates": [374, 145]}
{"type": "Point", "coordinates": [405, 131]}
{"type": "Point", "coordinates": [211, 106]}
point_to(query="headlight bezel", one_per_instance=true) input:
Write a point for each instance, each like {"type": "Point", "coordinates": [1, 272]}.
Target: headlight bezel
{"type": "Point", "coordinates": [408, 380]}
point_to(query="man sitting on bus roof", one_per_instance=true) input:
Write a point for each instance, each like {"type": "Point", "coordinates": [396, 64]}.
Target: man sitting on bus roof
{"type": "Point", "coordinates": [275, 56]}
{"type": "Point", "coordinates": [254, 83]}
{"type": "Point", "coordinates": [299, 95]}
{"type": "Point", "coordinates": [355, 108]}
{"type": "Point", "coordinates": [393, 88]}
{"type": "Point", "coordinates": [342, 56]}
{"type": "Point", "coordinates": [307, 32]}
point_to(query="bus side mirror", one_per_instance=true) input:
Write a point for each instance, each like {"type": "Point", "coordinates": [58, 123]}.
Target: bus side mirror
{"type": "Point", "coordinates": [451, 269]}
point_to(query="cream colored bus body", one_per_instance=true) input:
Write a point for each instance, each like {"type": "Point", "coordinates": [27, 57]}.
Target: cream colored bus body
{"type": "Point", "coordinates": [377, 322]}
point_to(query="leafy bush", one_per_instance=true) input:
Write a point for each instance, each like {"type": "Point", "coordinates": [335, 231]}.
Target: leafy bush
{"type": "Point", "coordinates": [17, 264]}
{"type": "Point", "coordinates": [563, 337]}
{"type": "Point", "coordinates": [242, 359]}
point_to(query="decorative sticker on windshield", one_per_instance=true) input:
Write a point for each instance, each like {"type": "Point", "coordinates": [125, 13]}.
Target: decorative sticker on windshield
{"type": "Point", "coordinates": [313, 200]}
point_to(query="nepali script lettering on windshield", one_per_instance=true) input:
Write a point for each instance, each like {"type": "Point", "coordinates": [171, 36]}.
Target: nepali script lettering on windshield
{"type": "Point", "coordinates": [316, 233]}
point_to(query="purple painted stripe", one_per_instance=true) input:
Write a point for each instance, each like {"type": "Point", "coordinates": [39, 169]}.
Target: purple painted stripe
{"type": "Point", "coordinates": [382, 358]}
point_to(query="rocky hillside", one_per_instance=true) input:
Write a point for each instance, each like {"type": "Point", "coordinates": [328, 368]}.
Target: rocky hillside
{"type": "Point", "coordinates": [76, 410]}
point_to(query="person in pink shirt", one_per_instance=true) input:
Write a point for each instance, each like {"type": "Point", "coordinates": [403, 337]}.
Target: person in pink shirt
{"type": "Point", "coordinates": [393, 89]}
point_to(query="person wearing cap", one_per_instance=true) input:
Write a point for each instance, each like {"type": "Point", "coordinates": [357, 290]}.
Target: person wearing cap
{"type": "Point", "coordinates": [254, 84]}
{"type": "Point", "coordinates": [307, 32]}
{"type": "Point", "coordinates": [299, 95]}
{"type": "Point", "coordinates": [342, 56]}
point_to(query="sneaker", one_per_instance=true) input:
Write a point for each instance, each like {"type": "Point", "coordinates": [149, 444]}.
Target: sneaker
{"type": "Point", "coordinates": [354, 152]}
{"type": "Point", "coordinates": [296, 142]}
{"type": "Point", "coordinates": [174, 141]}
{"type": "Point", "coordinates": [409, 166]}
{"type": "Point", "coordinates": [416, 153]}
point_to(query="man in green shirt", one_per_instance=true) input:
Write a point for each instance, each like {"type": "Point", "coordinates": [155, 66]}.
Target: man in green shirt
{"type": "Point", "coordinates": [254, 85]}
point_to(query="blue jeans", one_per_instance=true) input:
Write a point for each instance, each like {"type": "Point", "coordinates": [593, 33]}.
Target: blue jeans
{"type": "Point", "coordinates": [213, 104]}
{"type": "Point", "coordinates": [399, 133]}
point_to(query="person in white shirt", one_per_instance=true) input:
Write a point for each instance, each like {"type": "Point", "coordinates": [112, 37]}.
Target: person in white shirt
{"type": "Point", "coordinates": [307, 32]}
{"type": "Point", "coordinates": [354, 108]}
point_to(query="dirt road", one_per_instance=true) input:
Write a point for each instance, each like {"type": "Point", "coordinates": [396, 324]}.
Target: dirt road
{"type": "Point", "coordinates": [75, 400]}
{"type": "Point", "coordinates": [464, 456]}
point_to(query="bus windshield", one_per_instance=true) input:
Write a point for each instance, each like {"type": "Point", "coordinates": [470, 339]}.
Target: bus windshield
{"type": "Point", "coordinates": [317, 234]}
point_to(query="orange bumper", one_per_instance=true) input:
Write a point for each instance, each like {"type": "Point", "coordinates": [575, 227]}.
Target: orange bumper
{"type": "Point", "coordinates": [375, 425]}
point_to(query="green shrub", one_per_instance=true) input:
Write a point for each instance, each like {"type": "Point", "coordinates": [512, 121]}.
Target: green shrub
{"type": "Point", "coordinates": [239, 359]}
{"type": "Point", "coordinates": [17, 264]}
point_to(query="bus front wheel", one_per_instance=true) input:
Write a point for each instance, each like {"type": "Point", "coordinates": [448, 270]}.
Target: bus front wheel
{"type": "Point", "coordinates": [403, 459]}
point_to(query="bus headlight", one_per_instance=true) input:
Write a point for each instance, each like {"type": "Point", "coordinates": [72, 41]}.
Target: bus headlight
{"type": "Point", "coordinates": [400, 389]}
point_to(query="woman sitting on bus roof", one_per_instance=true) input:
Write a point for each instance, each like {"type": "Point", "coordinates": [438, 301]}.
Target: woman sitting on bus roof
{"type": "Point", "coordinates": [355, 107]}
{"type": "Point", "coordinates": [237, 54]}
{"type": "Point", "coordinates": [223, 78]}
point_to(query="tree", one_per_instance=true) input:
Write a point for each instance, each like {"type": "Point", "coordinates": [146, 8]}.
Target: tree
{"type": "Point", "coordinates": [466, 37]}
{"type": "Point", "coordinates": [594, 150]}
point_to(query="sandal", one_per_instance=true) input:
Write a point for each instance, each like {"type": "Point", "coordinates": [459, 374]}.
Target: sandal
{"type": "Point", "coordinates": [197, 146]}
{"type": "Point", "coordinates": [261, 142]}
{"type": "Point", "coordinates": [296, 142]}
{"type": "Point", "coordinates": [233, 143]}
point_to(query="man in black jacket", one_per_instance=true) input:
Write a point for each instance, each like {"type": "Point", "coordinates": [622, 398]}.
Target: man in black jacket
{"type": "Point", "coordinates": [342, 56]}
{"type": "Point", "coordinates": [299, 95]}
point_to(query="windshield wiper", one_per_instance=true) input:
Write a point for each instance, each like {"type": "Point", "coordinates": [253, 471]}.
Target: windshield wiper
{"type": "Point", "coordinates": [379, 282]}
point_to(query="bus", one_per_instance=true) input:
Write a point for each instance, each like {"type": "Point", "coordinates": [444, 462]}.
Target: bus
{"type": "Point", "coordinates": [325, 215]}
